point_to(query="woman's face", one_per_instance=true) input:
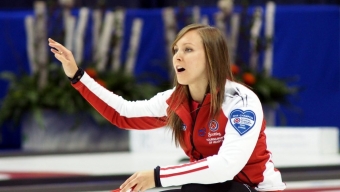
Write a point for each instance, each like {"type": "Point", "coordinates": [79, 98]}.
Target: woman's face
{"type": "Point", "coordinates": [189, 60]}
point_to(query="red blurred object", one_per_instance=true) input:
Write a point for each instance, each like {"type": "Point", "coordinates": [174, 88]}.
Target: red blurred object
{"type": "Point", "coordinates": [118, 190]}
{"type": "Point", "coordinates": [249, 78]}
{"type": "Point", "coordinates": [91, 72]}
{"type": "Point", "coordinates": [101, 82]}
{"type": "Point", "coordinates": [235, 69]}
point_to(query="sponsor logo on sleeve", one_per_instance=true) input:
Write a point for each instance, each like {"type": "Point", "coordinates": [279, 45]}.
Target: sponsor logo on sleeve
{"type": "Point", "coordinates": [242, 121]}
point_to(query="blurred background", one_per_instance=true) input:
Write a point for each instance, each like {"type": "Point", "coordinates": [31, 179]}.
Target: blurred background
{"type": "Point", "coordinates": [287, 51]}
{"type": "Point", "coordinates": [7, 4]}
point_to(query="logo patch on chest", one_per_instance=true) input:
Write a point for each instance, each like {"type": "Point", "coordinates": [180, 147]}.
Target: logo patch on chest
{"type": "Point", "coordinates": [242, 121]}
{"type": "Point", "coordinates": [201, 132]}
{"type": "Point", "coordinates": [213, 125]}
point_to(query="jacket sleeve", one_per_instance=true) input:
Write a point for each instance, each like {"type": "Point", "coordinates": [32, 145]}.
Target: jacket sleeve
{"type": "Point", "coordinates": [245, 118]}
{"type": "Point", "coordinates": [143, 114]}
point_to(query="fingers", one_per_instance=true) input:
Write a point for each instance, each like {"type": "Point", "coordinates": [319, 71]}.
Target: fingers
{"type": "Point", "coordinates": [55, 51]}
{"type": "Point", "coordinates": [64, 56]}
{"type": "Point", "coordinates": [132, 189]}
{"type": "Point", "coordinates": [138, 188]}
{"type": "Point", "coordinates": [129, 183]}
{"type": "Point", "coordinates": [60, 57]}
{"type": "Point", "coordinates": [139, 181]}
{"type": "Point", "coordinates": [57, 47]}
{"type": "Point", "coordinates": [51, 40]}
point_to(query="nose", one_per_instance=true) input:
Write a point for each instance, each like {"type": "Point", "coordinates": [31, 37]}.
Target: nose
{"type": "Point", "coordinates": [177, 56]}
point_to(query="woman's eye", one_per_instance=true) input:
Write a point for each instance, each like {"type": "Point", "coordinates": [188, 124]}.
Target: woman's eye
{"type": "Point", "coordinates": [175, 50]}
{"type": "Point", "coordinates": [188, 50]}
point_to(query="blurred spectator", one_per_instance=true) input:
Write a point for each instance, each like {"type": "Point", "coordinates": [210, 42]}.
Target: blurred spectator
{"type": "Point", "coordinates": [27, 4]}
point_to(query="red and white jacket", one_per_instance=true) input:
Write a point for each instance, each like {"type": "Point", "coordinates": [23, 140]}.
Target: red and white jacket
{"type": "Point", "coordinates": [230, 147]}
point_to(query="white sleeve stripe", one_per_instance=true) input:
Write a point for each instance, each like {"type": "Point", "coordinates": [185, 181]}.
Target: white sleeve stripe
{"type": "Point", "coordinates": [183, 165]}
{"type": "Point", "coordinates": [183, 168]}
{"type": "Point", "coordinates": [184, 172]}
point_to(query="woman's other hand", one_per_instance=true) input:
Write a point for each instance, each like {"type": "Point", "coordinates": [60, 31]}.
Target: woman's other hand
{"type": "Point", "coordinates": [65, 56]}
{"type": "Point", "coordinates": [139, 181]}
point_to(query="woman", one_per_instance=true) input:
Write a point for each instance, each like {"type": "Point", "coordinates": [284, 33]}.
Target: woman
{"type": "Point", "coordinates": [218, 123]}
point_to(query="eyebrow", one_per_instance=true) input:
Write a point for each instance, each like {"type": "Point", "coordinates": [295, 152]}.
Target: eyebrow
{"type": "Point", "coordinates": [184, 44]}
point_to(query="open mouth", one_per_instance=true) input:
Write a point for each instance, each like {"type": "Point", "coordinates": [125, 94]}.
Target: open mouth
{"type": "Point", "coordinates": [180, 69]}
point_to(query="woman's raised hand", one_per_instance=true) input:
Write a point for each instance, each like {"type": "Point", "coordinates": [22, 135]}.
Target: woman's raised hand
{"type": "Point", "coordinates": [65, 56]}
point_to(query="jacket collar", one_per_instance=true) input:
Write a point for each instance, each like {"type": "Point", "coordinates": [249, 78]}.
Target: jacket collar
{"type": "Point", "coordinates": [182, 105]}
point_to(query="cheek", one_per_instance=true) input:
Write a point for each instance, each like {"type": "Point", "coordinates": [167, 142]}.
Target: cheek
{"type": "Point", "coordinates": [198, 58]}
{"type": "Point", "coordinates": [201, 62]}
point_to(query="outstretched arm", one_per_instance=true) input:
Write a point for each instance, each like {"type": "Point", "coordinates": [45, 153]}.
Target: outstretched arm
{"type": "Point", "coordinates": [143, 114]}
{"type": "Point", "coordinates": [65, 56]}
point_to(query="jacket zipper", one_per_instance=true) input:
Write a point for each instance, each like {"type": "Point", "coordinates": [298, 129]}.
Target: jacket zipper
{"type": "Point", "coordinates": [192, 132]}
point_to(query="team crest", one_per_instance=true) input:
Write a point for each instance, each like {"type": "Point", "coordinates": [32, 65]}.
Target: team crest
{"type": "Point", "coordinates": [242, 121]}
{"type": "Point", "coordinates": [213, 125]}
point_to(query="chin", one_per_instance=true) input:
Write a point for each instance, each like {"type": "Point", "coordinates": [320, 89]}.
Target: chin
{"type": "Point", "coordinates": [184, 79]}
{"type": "Point", "coordinates": [179, 81]}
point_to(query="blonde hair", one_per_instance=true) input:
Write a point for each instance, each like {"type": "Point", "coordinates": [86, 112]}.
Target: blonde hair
{"type": "Point", "coordinates": [218, 70]}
